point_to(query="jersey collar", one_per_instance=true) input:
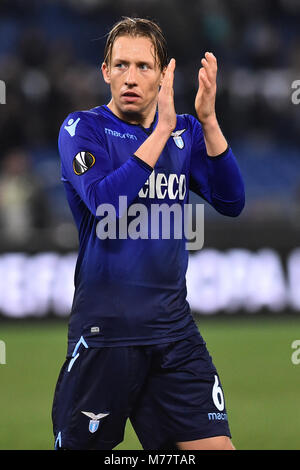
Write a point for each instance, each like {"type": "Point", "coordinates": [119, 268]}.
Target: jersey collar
{"type": "Point", "coordinates": [148, 130]}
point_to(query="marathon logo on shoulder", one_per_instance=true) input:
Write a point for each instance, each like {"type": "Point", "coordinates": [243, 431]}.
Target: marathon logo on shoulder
{"type": "Point", "coordinates": [121, 135]}
{"type": "Point", "coordinates": [161, 186]}
{"type": "Point", "coordinates": [82, 162]}
{"type": "Point", "coordinates": [71, 126]}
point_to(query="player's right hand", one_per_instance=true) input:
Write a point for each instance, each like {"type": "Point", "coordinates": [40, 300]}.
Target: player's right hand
{"type": "Point", "coordinates": [166, 109]}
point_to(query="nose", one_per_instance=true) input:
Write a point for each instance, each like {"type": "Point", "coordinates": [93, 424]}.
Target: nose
{"type": "Point", "coordinates": [131, 76]}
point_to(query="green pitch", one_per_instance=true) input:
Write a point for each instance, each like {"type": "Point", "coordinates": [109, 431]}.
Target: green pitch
{"type": "Point", "coordinates": [253, 357]}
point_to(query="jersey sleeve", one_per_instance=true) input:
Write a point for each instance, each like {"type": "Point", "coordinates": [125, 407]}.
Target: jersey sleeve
{"type": "Point", "coordinates": [87, 165]}
{"type": "Point", "coordinates": [217, 179]}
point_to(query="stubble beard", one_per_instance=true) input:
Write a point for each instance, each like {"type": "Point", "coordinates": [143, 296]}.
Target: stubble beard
{"type": "Point", "coordinates": [138, 116]}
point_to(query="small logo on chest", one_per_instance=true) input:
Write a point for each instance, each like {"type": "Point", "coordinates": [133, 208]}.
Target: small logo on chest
{"type": "Point", "coordinates": [179, 142]}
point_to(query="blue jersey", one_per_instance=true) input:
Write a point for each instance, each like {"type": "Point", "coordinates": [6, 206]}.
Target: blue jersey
{"type": "Point", "coordinates": [132, 290]}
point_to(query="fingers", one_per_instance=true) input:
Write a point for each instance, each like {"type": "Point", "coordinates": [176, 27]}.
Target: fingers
{"type": "Point", "coordinates": [166, 108]}
{"type": "Point", "coordinates": [203, 79]}
{"type": "Point", "coordinates": [168, 79]}
{"type": "Point", "coordinates": [208, 73]}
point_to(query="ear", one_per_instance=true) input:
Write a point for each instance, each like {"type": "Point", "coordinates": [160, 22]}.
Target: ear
{"type": "Point", "coordinates": [105, 72]}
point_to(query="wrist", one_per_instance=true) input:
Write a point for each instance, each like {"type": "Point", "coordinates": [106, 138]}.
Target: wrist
{"type": "Point", "coordinates": [215, 141]}
{"type": "Point", "coordinates": [164, 130]}
{"type": "Point", "coordinates": [210, 123]}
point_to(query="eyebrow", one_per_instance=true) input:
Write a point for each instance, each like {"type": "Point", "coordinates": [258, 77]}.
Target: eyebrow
{"type": "Point", "coordinates": [139, 62]}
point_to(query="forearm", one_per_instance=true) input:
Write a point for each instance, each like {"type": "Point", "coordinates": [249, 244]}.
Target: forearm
{"type": "Point", "coordinates": [129, 178]}
{"type": "Point", "coordinates": [151, 149]}
{"type": "Point", "coordinates": [227, 186]}
{"type": "Point", "coordinates": [153, 146]}
{"type": "Point", "coordinates": [215, 141]}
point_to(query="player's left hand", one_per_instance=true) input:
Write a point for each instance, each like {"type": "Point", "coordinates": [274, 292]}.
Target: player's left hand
{"type": "Point", "coordinates": [206, 95]}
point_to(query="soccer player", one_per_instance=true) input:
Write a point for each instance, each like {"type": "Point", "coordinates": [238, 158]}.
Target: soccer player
{"type": "Point", "coordinates": [134, 350]}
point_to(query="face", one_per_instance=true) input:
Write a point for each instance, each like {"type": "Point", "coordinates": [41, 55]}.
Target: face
{"type": "Point", "coordinates": [134, 77]}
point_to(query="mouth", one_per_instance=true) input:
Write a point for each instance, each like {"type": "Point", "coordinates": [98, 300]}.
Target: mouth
{"type": "Point", "coordinates": [130, 96]}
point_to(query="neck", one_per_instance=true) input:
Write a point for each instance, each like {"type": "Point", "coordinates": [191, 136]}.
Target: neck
{"type": "Point", "coordinates": [143, 119]}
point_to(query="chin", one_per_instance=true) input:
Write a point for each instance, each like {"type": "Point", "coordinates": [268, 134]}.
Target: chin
{"type": "Point", "coordinates": [130, 107]}
{"type": "Point", "coordinates": [131, 111]}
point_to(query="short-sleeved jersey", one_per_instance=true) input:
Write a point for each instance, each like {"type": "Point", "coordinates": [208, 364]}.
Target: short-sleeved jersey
{"type": "Point", "coordinates": [131, 289]}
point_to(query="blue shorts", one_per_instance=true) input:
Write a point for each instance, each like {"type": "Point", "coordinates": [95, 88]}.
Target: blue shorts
{"type": "Point", "coordinates": [170, 392]}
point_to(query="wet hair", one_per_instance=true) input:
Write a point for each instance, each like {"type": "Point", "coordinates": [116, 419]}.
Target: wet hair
{"type": "Point", "coordinates": [138, 27]}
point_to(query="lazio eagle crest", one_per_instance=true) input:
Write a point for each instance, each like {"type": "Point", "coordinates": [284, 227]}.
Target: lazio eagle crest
{"type": "Point", "coordinates": [94, 422]}
{"type": "Point", "coordinates": [178, 139]}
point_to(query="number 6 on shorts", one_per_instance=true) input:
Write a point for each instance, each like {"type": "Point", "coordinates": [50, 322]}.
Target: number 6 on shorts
{"type": "Point", "coordinates": [217, 395]}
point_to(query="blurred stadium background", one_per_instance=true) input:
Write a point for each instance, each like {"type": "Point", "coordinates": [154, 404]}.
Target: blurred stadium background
{"type": "Point", "coordinates": [243, 285]}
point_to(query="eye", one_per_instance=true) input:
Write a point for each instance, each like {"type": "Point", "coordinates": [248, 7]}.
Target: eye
{"type": "Point", "coordinates": [119, 65]}
{"type": "Point", "coordinates": [144, 67]}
